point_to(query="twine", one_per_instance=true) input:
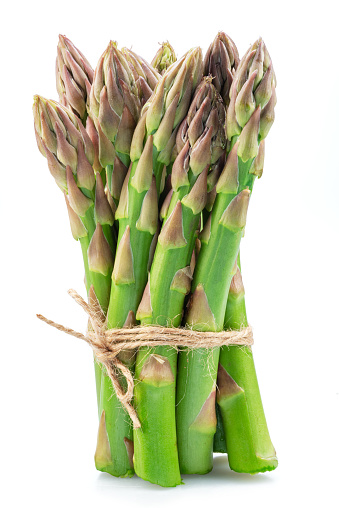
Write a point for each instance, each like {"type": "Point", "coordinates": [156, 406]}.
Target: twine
{"type": "Point", "coordinates": [107, 344]}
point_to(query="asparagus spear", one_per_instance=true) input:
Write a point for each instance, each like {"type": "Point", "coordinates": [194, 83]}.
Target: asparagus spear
{"type": "Point", "coordinates": [200, 143]}
{"type": "Point", "coordinates": [251, 91]}
{"type": "Point", "coordinates": [146, 77]}
{"type": "Point", "coordinates": [63, 140]}
{"type": "Point", "coordinates": [74, 76]}
{"type": "Point", "coordinates": [219, 438]}
{"type": "Point", "coordinates": [196, 420]}
{"type": "Point", "coordinates": [249, 445]}
{"type": "Point", "coordinates": [221, 61]}
{"type": "Point", "coordinates": [114, 109]}
{"type": "Point", "coordinates": [137, 213]}
{"type": "Point", "coordinates": [70, 153]}
{"type": "Point", "coordinates": [163, 58]}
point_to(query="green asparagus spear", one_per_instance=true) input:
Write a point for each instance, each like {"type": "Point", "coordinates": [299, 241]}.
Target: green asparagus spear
{"type": "Point", "coordinates": [70, 154]}
{"type": "Point", "coordinates": [197, 369]}
{"type": "Point", "coordinates": [201, 141]}
{"type": "Point", "coordinates": [221, 61]}
{"type": "Point", "coordinates": [249, 445]}
{"type": "Point", "coordinates": [137, 213]}
{"type": "Point", "coordinates": [114, 109]}
{"type": "Point", "coordinates": [63, 140]}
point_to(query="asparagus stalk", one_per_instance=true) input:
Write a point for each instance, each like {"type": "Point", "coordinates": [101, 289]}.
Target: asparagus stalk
{"type": "Point", "coordinates": [74, 77]}
{"type": "Point", "coordinates": [218, 65]}
{"type": "Point", "coordinates": [137, 213]}
{"type": "Point", "coordinates": [249, 446]}
{"type": "Point", "coordinates": [114, 109]}
{"type": "Point", "coordinates": [69, 151]}
{"type": "Point", "coordinates": [196, 390]}
{"type": "Point", "coordinates": [259, 455]}
{"type": "Point", "coordinates": [221, 61]}
{"type": "Point", "coordinates": [63, 140]}
{"type": "Point", "coordinates": [200, 143]}
{"type": "Point", "coordinates": [164, 58]}
{"type": "Point", "coordinates": [146, 77]}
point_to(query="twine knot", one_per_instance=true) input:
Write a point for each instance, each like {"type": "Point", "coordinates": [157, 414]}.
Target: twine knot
{"type": "Point", "coordinates": [107, 344]}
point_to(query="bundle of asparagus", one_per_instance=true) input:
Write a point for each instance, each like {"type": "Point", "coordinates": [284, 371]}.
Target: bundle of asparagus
{"type": "Point", "coordinates": [157, 164]}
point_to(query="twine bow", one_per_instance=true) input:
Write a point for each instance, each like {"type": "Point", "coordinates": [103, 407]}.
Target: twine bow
{"type": "Point", "coordinates": [107, 344]}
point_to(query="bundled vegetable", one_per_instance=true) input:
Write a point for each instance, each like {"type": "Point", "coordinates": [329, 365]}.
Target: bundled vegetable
{"type": "Point", "coordinates": [157, 164]}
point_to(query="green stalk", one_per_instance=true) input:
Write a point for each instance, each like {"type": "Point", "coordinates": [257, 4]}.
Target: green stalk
{"type": "Point", "coordinates": [74, 76]}
{"type": "Point", "coordinates": [197, 369]}
{"type": "Point", "coordinates": [114, 108]}
{"type": "Point", "coordinates": [98, 221]}
{"type": "Point", "coordinates": [221, 60]}
{"type": "Point", "coordinates": [128, 282]}
{"type": "Point", "coordinates": [137, 213]}
{"type": "Point", "coordinates": [249, 446]}
{"type": "Point", "coordinates": [78, 229]}
{"type": "Point", "coordinates": [202, 137]}
{"type": "Point", "coordinates": [155, 372]}
{"type": "Point", "coordinates": [70, 154]}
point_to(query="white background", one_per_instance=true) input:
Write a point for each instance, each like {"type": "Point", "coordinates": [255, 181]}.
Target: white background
{"type": "Point", "coordinates": [289, 259]}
